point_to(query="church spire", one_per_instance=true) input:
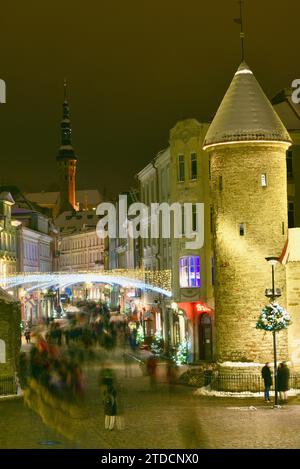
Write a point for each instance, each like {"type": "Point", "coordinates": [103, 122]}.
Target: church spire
{"type": "Point", "coordinates": [66, 160]}
{"type": "Point", "coordinates": [66, 150]}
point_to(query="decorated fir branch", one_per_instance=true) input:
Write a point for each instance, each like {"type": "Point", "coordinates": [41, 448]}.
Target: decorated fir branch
{"type": "Point", "coordinates": [182, 353]}
{"type": "Point", "coordinates": [273, 317]}
{"type": "Point", "coordinates": [157, 345]}
{"type": "Point", "coordinates": [140, 337]}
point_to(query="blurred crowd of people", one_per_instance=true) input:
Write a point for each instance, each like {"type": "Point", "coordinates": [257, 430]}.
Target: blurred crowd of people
{"type": "Point", "coordinates": [56, 368]}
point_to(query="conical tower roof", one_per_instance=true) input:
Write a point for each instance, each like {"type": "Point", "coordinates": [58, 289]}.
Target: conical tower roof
{"type": "Point", "coordinates": [245, 114]}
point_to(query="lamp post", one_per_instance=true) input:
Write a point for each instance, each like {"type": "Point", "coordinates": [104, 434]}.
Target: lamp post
{"type": "Point", "coordinates": [273, 294]}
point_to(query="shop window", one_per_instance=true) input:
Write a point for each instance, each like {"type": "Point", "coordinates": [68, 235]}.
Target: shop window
{"type": "Point", "coordinates": [189, 272]}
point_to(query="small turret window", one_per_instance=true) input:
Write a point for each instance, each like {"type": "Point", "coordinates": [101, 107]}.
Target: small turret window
{"type": "Point", "coordinates": [242, 229]}
{"type": "Point", "coordinates": [264, 180]}
{"type": "Point", "coordinates": [220, 183]}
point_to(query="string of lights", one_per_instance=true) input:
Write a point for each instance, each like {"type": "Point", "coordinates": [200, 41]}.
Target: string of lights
{"type": "Point", "coordinates": [158, 281]}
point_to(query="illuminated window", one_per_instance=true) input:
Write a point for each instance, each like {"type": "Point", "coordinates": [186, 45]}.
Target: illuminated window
{"type": "Point", "coordinates": [189, 271]}
{"type": "Point", "coordinates": [193, 166]}
{"type": "Point", "coordinates": [181, 175]}
{"type": "Point", "coordinates": [264, 180]}
{"type": "Point", "coordinates": [242, 229]}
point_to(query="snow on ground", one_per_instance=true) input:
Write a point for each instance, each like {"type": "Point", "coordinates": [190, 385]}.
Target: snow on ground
{"type": "Point", "coordinates": [241, 364]}
{"type": "Point", "coordinates": [206, 391]}
{"type": "Point", "coordinates": [245, 364]}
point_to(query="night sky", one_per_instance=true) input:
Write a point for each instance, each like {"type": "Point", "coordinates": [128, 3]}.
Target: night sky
{"type": "Point", "coordinates": [135, 68]}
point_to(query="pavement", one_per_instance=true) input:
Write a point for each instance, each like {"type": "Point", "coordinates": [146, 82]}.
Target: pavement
{"type": "Point", "coordinates": [155, 416]}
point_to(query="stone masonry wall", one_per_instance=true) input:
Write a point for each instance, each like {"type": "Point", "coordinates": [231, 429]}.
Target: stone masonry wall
{"type": "Point", "coordinates": [242, 273]}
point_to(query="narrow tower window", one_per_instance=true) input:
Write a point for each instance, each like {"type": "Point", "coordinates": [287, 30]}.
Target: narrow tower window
{"type": "Point", "coordinates": [242, 229]}
{"type": "Point", "coordinates": [220, 183]}
{"type": "Point", "coordinates": [264, 180]}
{"type": "Point", "coordinates": [180, 168]}
{"type": "Point", "coordinates": [193, 166]}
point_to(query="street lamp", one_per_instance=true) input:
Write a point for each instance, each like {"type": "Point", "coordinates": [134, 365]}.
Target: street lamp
{"type": "Point", "coordinates": [273, 294]}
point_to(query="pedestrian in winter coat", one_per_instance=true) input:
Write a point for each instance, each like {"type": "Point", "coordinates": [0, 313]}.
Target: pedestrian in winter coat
{"type": "Point", "coordinates": [110, 407]}
{"type": "Point", "coordinates": [267, 377]}
{"type": "Point", "coordinates": [283, 376]}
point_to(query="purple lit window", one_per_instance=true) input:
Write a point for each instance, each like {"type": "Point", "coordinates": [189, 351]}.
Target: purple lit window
{"type": "Point", "coordinates": [189, 272]}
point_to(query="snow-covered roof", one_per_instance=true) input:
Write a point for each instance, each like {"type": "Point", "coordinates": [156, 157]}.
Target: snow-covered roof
{"type": "Point", "coordinates": [245, 114]}
{"type": "Point", "coordinates": [72, 222]}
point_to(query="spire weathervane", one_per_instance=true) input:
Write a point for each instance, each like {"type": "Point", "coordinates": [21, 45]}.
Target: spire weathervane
{"type": "Point", "coordinates": [242, 34]}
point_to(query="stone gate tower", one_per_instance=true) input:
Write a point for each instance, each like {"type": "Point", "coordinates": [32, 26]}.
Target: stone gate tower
{"type": "Point", "coordinates": [66, 161]}
{"type": "Point", "coordinates": [247, 143]}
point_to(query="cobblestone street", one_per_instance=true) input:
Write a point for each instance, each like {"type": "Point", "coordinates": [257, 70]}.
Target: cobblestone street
{"type": "Point", "coordinates": [157, 417]}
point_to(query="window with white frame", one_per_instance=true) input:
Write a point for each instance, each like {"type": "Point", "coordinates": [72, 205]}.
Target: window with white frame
{"type": "Point", "coordinates": [264, 180]}
{"type": "Point", "coordinates": [189, 272]}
